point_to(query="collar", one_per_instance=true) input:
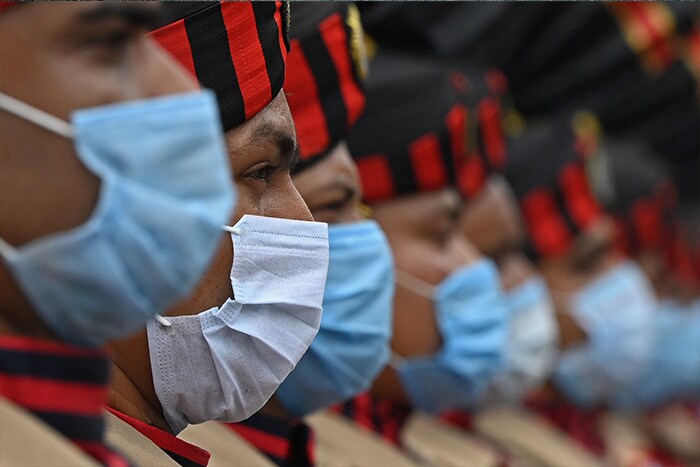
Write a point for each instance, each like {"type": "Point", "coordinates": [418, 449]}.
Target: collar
{"type": "Point", "coordinates": [284, 442]}
{"type": "Point", "coordinates": [579, 424]}
{"type": "Point", "coordinates": [459, 418]}
{"type": "Point", "coordinates": [182, 452]}
{"type": "Point", "coordinates": [379, 414]}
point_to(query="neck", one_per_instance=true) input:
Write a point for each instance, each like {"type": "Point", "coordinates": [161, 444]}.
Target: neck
{"type": "Point", "coordinates": [125, 397]}
{"type": "Point", "coordinates": [388, 385]}
{"type": "Point", "coordinates": [548, 393]}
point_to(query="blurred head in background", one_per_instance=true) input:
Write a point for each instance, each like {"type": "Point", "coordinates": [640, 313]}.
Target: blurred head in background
{"type": "Point", "coordinates": [449, 312]}
{"type": "Point", "coordinates": [604, 302]}
{"type": "Point", "coordinates": [326, 69]}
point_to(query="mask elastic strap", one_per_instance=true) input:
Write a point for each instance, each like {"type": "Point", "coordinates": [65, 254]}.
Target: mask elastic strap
{"type": "Point", "coordinates": [163, 321]}
{"type": "Point", "coordinates": [233, 230]}
{"type": "Point", "coordinates": [7, 251]}
{"type": "Point", "coordinates": [415, 285]}
{"type": "Point", "coordinates": [36, 116]}
{"type": "Point", "coordinates": [396, 361]}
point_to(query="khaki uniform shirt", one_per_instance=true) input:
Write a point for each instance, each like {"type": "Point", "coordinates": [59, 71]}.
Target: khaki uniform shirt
{"type": "Point", "coordinates": [27, 441]}
{"type": "Point", "coordinates": [339, 442]}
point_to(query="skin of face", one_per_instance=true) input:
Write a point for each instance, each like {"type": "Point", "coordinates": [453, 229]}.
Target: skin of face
{"type": "Point", "coordinates": [422, 230]}
{"type": "Point", "coordinates": [60, 57]}
{"type": "Point", "coordinates": [261, 152]}
{"type": "Point", "coordinates": [591, 256]}
{"type": "Point", "coordinates": [331, 187]}
{"type": "Point", "coordinates": [653, 263]}
{"type": "Point", "coordinates": [492, 222]}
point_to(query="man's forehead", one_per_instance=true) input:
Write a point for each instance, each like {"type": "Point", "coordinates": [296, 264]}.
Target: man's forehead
{"type": "Point", "coordinates": [270, 130]}
{"type": "Point", "coordinates": [142, 13]}
{"type": "Point", "coordinates": [7, 5]}
{"type": "Point", "coordinates": [274, 125]}
{"type": "Point", "coordinates": [59, 21]}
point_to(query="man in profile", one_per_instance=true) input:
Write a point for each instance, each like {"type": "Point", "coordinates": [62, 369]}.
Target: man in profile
{"type": "Point", "coordinates": [77, 210]}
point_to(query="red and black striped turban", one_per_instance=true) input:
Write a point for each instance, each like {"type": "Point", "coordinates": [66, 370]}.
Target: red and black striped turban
{"type": "Point", "coordinates": [412, 136]}
{"type": "Point", "coordinates": [485, 91]}
{"type": "Point", "coordinates": [547, 171]}
{"type": "Point", "coordinates": [638, 191]}
{"type": "Point", "coordinates": [325, 71]}
{"type": "Point", "coordinates": [238, 49]}
{"type": "Point", "coordinates": [631, 63]}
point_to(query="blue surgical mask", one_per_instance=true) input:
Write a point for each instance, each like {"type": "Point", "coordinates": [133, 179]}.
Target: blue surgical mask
{"type": "Point", "coordinates": [165, 192]}
{"type": "Point", "coordinates": [532, 345]}
{"type": "Point", "coordinates": [352, 345]}
{"type": "Point", "coordinates": [674, 372]}
{"type": "Point", "coordinates": [471, 312]}
{"type": "Point", "coordinates": [616, 312]}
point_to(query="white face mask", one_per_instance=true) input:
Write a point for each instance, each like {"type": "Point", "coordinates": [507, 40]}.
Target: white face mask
{"type": "Point", "coordinates": [225, 363]}
{"type": "Point", "coordinates": [532, 346]}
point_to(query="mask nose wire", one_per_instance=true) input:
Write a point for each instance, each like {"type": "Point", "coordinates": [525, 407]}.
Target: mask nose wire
{"type": "Point", "coordinates": [36, 116]}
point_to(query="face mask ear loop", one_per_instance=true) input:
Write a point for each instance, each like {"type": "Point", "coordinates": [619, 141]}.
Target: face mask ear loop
{"type": "Point", "coordinates": [36, 116]}
{"type": "Point", "coordinates": [7, 250]}
{"type": "Point", "coordinates": [163, 321]}
{"type": "Point", "coordinates": [233, 230]}
{"type": "Point", "coordinates": [396, 361]}
{"type": "Point", "coordinates": [415, 285]}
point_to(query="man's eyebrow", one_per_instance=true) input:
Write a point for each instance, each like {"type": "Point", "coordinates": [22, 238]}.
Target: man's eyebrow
{"type": "Point", "coordinates": [285, 143]}
{"type": "Point", "coordinates": [448, 212]}
{"type": "Point", "coordinates": [454, 209]}
{"type": "Point", "coordinates": [348, 189]}
{"type": "Point", "coordinates": [135, 14]}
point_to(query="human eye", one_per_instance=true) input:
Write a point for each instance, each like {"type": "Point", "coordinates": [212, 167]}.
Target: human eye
{"type": "Point", "coordinates": [112, 43]}
{"type": "Point", "coordinates": [262, 173]}
{"type": "Point", "coordinates": [340, 202]}
{"type": "Point", "coordinates": [442, 237]}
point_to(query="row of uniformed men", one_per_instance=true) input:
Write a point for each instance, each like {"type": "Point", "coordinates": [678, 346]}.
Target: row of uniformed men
{"type": "Point", "coordinates": [120, 231]}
